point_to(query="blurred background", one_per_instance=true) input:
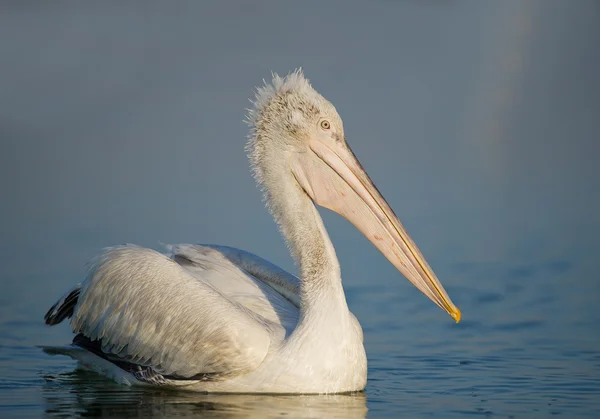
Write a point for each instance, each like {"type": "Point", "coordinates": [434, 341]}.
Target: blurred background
{"type": "Point", "coordinates": [478, 120]}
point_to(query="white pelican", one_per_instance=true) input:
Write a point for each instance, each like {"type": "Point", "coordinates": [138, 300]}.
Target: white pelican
{"type": "Point", "coordinates": [218, 319]}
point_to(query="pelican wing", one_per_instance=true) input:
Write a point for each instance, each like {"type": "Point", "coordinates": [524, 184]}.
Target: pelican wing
{"type": "Point", "coordinates": [247, 279]}
{"type": "Point", "coordinates": [148, 310]}
{"type": "Point", "coordinates": [244, 278]}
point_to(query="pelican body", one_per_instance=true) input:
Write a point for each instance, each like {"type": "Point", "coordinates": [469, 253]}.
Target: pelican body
{"type": "Point", "coordinates": [218, 319]}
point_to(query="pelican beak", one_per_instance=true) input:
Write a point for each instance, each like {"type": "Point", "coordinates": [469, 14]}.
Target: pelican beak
{"type": "Point", "coordinates": [334, 178]}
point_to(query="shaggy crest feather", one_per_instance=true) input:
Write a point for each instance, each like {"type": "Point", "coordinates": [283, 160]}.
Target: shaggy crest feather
{"type": "Point", "coordinates": [263, 95]}
{"type": "Point", "coordinates": [294, 81]}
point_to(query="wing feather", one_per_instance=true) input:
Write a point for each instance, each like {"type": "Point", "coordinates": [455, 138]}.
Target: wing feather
{"type": "Point", "coordinates": [63, 308]}
{"type": "Point", "coordinates": [245, 278]}
{"type": "Point", "coordinates": [147, 309]}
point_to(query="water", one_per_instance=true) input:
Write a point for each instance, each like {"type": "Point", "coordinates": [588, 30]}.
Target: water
{"type": "Point", "coordinates": [477, 120]}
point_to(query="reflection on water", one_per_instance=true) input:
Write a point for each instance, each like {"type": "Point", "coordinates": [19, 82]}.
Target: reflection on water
{"type": "Point", "coordinates": [82, 393]}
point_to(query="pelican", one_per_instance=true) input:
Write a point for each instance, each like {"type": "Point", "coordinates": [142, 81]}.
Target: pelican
{"type": "Point", "coordinates": [219, 319]}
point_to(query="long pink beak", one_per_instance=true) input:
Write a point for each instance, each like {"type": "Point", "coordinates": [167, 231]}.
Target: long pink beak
{"type": "Point", "coordinates": [337, 181]}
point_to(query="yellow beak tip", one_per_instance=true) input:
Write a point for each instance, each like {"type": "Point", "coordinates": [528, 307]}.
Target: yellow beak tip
{"type": "Point", "coordinates": [456, 315]}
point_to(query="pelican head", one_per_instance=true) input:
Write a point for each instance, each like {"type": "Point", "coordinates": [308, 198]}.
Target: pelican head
{"type": "Point", "coordinates": [298, 137]}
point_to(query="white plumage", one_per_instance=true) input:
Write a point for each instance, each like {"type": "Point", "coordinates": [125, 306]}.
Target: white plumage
{"type": "Point", "coordinates": [214, 318]}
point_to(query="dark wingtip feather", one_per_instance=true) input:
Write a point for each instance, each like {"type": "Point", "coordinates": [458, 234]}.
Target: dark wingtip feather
{"type": "Point", "coordinates": [63, 308]}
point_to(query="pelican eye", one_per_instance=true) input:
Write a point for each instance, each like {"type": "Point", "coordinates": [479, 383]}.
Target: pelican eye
{"type": "Point", "coordinates": [325, 124]}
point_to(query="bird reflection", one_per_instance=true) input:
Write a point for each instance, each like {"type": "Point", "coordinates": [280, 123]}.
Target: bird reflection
{"type": "Point", "coordinates": [82, 393]}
